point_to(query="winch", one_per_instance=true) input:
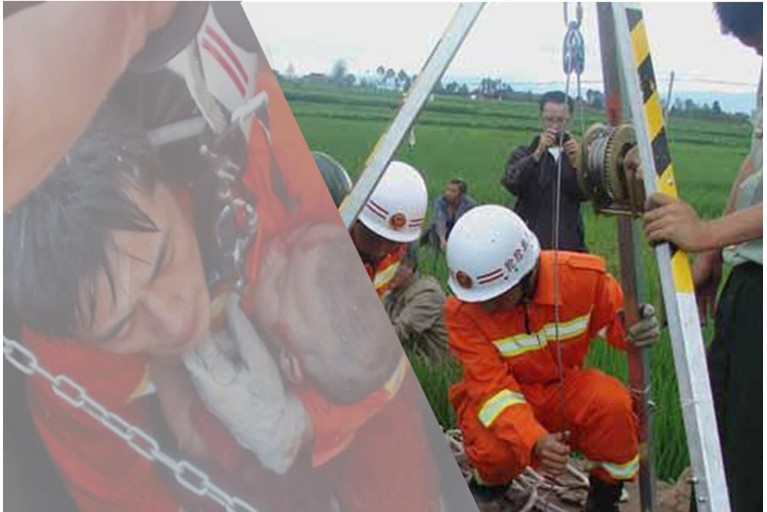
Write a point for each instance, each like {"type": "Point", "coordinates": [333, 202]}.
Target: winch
{"type": "Point", "coordinates": [609, 174]}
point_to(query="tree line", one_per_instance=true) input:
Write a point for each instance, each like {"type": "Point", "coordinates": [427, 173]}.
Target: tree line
{"type": "Point", "coordinates": [387, 78]}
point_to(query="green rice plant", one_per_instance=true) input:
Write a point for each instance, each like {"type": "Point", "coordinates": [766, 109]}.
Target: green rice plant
{"type": "Point", "coordinates": [435, 379]}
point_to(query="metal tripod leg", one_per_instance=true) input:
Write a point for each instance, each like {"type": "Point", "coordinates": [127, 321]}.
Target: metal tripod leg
{"type": "Point", "coordinates": [676, 277]}
{"type": "Point", "coordinates": [416, 99]}
{"type": "Point", "coordinates": [632, 281]}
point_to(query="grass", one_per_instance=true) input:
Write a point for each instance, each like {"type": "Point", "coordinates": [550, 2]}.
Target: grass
{"type": "Point", "coordinates": [471, 140]}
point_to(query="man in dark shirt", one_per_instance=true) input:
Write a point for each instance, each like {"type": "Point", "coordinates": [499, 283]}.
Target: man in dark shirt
{"type": "Point", "coordinates": [531, 175]}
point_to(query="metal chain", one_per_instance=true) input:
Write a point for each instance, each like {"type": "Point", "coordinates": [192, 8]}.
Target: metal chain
{"type": "Point", "coordinates": [187, 474]}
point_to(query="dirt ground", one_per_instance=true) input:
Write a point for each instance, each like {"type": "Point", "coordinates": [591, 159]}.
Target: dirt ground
{"type": "Point", "coordinates": [671, 498]}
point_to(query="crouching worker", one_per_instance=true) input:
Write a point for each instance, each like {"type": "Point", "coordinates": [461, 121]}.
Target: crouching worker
{"type": "Point", "coordinates": [390, 220]}
{"type": "Point", "coordinates": [512, 408]}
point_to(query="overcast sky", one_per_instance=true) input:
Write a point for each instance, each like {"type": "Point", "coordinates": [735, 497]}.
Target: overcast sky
{"type": "Point", "coordinates": [518, 40]}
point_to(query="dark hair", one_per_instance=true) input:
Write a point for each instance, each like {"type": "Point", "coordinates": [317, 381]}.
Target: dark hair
{"type": "Point", "coordinates": [58, 239]}
{"type": "Point", "coordinates": [557, 97]}
{"type": "Point", "coordinates": [462, 186]}
{"type": "Point", "coordinates": [741, 19]}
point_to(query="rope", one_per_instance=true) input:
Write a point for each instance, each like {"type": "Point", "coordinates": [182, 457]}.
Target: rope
{"type": "Point", "coordinates": [573, 61]}
{"type": "Point", "coordinates": [557, 213]}
{"type": "Point", "coordinates": [537, 492]}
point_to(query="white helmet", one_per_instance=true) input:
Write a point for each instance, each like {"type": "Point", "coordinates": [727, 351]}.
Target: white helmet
{"type": "Point", "coordinates": [489, 251]}
{"type": "Point", "coordinates": [397, 206]}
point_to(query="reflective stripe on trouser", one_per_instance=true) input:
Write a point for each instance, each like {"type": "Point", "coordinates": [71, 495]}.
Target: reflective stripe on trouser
{"type": "Point", "coordinates": [625, 471]}
{"type": "Point", "coordinates": [598, 414]}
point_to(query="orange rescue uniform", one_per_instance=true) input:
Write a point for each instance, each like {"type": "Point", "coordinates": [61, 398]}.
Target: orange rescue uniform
{"type": "Point", "coordinates": [509, 396]}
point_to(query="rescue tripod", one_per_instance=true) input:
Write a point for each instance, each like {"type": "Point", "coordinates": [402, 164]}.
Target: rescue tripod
{"type": "Point", "coordinates": [609, 174]}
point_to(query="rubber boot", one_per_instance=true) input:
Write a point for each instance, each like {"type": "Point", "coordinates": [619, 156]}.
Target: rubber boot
{"type": "Point", "coordinates": [488, 498]}
{"type": "Point", "coordinates": [603, 497]}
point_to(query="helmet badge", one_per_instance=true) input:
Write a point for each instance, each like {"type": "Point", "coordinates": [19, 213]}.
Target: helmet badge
{"type": "Point", "coordinates": [397, 221]}
{"type": "Point", "coordinates": [463, 279]}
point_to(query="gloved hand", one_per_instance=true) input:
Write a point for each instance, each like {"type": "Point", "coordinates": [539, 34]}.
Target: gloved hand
{"type": "Point", "coordinates": [248, 395]}
{"type": "Point", "coordinates": [646, 330]}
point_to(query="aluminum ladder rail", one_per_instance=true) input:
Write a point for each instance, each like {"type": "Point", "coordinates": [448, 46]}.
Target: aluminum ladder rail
{"type": "Point", "coordinates": [677, 286]}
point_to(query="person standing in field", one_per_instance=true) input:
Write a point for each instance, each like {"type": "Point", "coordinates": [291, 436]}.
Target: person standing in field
{"type": "Point", "coordinates": [513, 407]}
{"type": "Point", "coordinates": [735, 354]}
{"type": "Point", "coordinates": [531, 175]}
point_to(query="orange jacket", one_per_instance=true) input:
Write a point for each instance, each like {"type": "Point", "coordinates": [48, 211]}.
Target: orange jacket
{"type": "Point", "coordinates": [503, 350]}
{"type": "Point", "coordinates": [102, 472]}
{"type": "Point", "coordinates": [283, 176]}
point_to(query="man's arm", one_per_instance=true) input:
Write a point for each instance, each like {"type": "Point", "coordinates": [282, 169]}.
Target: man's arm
{"type": "Point", "coordinates": [746, 169]}
{"type": "Point", "coordinates": [707, 268]}
{"type": "Point", "coordinates": [502, 406]}
{"type": "Point", "coordinates": [521, 166]}
{"type": "Point", "coordinates": [176, 395]}
{"type": "Point", "coordinates": [569, 171]}
{"type": "Point", "coordinates": [60, 60]}
{"type": "Point", "coordinates": [440, 219]}
{"type": "Point", "coordinates": [423, 310]}
{"type": "Point", "coordinates": [607, 313]}
{"type": "Point", "coordinates": [672, 220]}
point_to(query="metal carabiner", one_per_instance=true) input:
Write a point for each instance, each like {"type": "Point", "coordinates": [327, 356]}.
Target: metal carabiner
{"type": "Point", "coordinates": [573, 52]}
{"type": "Point", "coordinates": [573, 48]}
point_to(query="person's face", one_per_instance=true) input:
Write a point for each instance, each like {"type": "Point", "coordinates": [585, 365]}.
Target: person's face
{"type": "Point", "coordinates": [452, 193]}
{"type": "Point", "coordinates": [511, 298]}
{"type": "Point", "coordinates": [370, 245]}
{"type": "Point", "coordinates": [504, 302]}
{"type": "Point", "coordinates": [158, 302]}
{"type": "Point", "coordinates": [555, 116]}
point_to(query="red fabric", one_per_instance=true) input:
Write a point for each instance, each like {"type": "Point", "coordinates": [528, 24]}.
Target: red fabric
{"type": "Point", "coordinates": [301, 488]}
{"type": "Point", "coordinates": [287, 200]}
{"type": "Point", "coordinates": [335, 425]}
{"type": "Point", "coordinates": [388, 466]}
{"type": "Point", "coordinates": [102, 472]}
{"type": "Point", "coordinates": [283, 176]}
{"type": "Point", "coordinates": [503, 448]}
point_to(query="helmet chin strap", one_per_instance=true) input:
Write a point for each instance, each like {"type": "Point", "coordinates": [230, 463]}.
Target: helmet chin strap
{"type": "Point", "coordinates": [528, 286]}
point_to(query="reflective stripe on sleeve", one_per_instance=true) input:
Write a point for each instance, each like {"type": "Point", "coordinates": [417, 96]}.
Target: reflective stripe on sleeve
{"type": "Point", "coordinates": [498, 403]}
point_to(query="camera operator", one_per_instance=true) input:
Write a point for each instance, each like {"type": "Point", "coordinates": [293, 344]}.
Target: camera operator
{"type": "Point", "coordinates": [531, 175]}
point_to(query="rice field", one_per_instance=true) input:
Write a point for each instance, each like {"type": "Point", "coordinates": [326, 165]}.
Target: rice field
{"type": "Point", "coordinates": [460, 138]}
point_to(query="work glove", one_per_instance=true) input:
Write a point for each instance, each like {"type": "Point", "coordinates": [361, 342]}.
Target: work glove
{"type": "Point", "coordinates": [646, 330]}
{"type": "Point", "coordinates": [241, 384]}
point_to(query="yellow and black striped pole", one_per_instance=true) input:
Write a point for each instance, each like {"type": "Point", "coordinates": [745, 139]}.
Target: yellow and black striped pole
{"type": "Point", "coordinates": [673, 266]}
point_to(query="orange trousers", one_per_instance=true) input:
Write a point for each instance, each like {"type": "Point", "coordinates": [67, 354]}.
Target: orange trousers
{"type": "Point", "coordinates": [597, 413]}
